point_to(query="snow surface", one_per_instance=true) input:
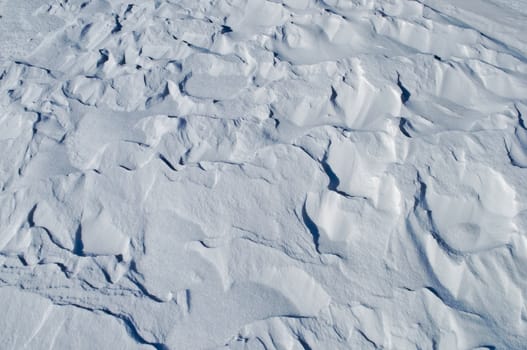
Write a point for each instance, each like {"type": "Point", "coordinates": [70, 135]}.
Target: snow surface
{"type": "Point", "coordinates": [263, 174]}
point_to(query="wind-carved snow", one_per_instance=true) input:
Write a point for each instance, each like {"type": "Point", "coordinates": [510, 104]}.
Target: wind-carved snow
{"type": "Point", "coordinates": [263, 174]}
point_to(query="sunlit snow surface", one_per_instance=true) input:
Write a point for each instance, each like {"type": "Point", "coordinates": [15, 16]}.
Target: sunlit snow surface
{"type": "Point", "coordinates": [227, 174]}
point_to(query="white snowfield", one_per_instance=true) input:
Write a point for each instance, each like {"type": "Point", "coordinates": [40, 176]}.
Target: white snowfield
{"type": "Point", "coordinates": [263, 174]}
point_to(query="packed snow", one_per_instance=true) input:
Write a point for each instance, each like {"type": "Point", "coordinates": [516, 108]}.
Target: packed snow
{"type": "Point", "coordinates": [263, 174]}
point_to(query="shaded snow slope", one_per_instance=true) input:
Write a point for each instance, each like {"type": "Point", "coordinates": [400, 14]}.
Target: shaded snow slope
{"type": "Point", "coordinates": [296, 174]}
